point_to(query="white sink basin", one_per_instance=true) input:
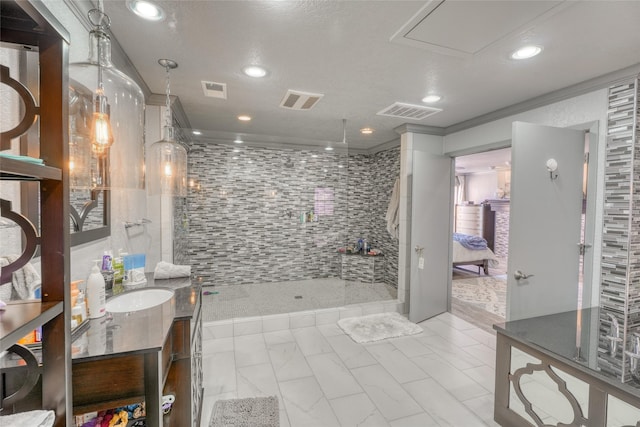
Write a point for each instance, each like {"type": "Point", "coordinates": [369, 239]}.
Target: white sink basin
{"type": "Point", "coordinates": [139, 299]}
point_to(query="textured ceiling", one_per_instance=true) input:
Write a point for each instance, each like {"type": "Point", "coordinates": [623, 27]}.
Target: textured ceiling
{"type": "Point", "coordinates": [344, 50]}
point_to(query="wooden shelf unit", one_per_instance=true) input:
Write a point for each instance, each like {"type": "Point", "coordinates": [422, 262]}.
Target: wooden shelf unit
{"type": "Point", "coordinates": [30, 26]}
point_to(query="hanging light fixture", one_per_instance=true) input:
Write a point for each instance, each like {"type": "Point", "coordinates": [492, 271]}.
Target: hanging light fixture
{"type": "Point", "coordinates": [101, 132]}
{"type": "Point", "coordinates": [106, 118]}
{"type": "Point", "coordinates": [167, 165]}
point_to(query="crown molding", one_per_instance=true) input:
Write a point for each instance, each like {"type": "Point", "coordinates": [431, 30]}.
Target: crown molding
{"type": "Point", "coordinates": [414, 128]}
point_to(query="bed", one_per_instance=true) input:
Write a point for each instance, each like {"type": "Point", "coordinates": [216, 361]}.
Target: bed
{"type": "Point", "coordinates": [482, 258]}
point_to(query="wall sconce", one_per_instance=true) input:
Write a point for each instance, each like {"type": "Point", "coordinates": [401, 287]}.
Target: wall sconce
{"type": "Point", "coordinates": [552, 166]}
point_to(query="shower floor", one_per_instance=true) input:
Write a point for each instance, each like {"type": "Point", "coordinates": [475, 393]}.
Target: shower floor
{"type": "Point", "coordinates": [232, 301]}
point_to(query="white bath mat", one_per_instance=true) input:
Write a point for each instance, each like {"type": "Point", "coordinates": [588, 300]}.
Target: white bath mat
{"type": "Point", "coordinates": [376, 327]}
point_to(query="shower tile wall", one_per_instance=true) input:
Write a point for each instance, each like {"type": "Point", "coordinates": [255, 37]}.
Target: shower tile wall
{"type": "Point", "coordinates": [180, 231]}
{"type": "Point", "coordinates": [245, 209]}
{"type": "Point", "coordinates": [620, 287]}
{"type": "Point", "coordinates": [371, 180]}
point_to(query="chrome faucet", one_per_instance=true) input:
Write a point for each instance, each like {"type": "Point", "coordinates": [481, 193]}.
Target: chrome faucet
{"type": "Point", "coordinates": [614, 335]}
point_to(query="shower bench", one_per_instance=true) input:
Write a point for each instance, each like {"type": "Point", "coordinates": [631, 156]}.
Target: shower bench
{"type": "Point", "coordinates": [362, 268]}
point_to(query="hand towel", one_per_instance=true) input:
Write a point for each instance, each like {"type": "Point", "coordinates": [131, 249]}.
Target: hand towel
{"type": "Point", "coordinates": [37, 418]}
{"type": "Point", "coordinates": [166, 270]}
{"type": "Point", "coordinates": [393, 211]}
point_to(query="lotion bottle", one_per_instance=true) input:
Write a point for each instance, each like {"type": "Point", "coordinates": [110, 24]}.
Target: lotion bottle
{"type": "Point", "coordinates": [96, 296]}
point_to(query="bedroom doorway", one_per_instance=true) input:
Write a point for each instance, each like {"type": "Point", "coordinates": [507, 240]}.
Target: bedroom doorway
{"type": "Point", "coordinates": [481, 212]}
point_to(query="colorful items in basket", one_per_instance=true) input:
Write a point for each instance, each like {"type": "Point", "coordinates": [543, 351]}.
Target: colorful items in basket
{"type": "Point", "coordinates": [119, 417]}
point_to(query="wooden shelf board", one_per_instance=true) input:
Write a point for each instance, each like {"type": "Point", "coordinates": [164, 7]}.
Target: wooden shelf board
{"type": "Point", "coordinates": [12, 169]}
{"type": "Point", "coordinates": [21, 317]}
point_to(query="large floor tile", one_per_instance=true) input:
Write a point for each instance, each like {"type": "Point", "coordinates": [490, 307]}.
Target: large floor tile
{"type": "Point", "coordinates": [352, 354]}
{"type": "Point", "coordinates": [483, 407]}
{"type": "Point", "coordinates": [357, 411]}
{"type": "Point", "coordinates": [306, 405]}
{"type": "Point", "coordinates": [219, 373]}
{"type": "Point", "coordinates": [278, 337]}
{"type": "Point", "coordinates": [450, 352]}
{"type": "Point", "coordinates": [311, 341]}
{"type": "Point", "coordinates": [483, 375]}
{"type": "Point", "coordinates": [250, 350]}
{"type": "Point", "coordinates": [396, 363]}
{"type": "Point", "coordinates": [257, 381]}
{"type": "Point", "coordinates": [456, 382]}
{"type": "Point", "coordinates": [445, 409]}
{"type": "Point", "coordinates": [288, 362]}
{"type": "Point", "coordinates": [419, 420]}
{"type": "Point", "coordinates": [333, 376]}
{"type": "Point", "coordinates": [483, 353]}
{"type": "Point", "coordinates": [410, 346]}
{"type": "Point", "coordinates": [387, 394]}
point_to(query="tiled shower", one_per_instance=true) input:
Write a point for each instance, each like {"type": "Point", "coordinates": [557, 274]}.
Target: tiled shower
{"type": "Point", "coordinates": [259, 215]}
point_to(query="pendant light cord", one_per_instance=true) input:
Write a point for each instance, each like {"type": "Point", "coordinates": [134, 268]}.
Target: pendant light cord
{"type": "Point", "coordinates": [167, 115]}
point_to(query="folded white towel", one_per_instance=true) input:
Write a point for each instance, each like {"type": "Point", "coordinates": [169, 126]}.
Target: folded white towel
{"type": "Point", "coordinates": [38, 418]}
{"type": "Point", "coordinates": [166, 270]}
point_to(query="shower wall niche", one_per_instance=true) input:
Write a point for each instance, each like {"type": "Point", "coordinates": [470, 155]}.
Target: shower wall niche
{"type": "Point", "coordinates": [261, 214]}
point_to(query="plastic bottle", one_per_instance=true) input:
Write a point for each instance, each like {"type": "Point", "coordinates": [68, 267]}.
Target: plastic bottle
{"type": "Point", "coordinates": [96, 298]}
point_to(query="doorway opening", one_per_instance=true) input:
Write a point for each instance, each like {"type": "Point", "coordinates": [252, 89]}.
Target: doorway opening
{"type": "Point", "coordinates": [481, 237]}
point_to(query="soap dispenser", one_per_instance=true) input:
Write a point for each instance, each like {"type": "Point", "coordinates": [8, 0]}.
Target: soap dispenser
{"type": "Point", "coordinates": [96, 296]}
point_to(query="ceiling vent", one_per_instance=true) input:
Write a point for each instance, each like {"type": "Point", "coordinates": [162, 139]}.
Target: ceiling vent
{"type": "Point", "coordinates": [408, 111]}
{"type": "Point", "coordinates": [214, 90]}
{"type": "Point", "coordinates": [296, 100]}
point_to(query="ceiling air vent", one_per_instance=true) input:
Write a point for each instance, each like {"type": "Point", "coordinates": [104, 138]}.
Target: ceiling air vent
{"type": "Point", "coordinates": [214, 90]}
{"type": "Point", "coordinates": [408, 111]}
{"type": "Point", "coordinates": [296, 100]}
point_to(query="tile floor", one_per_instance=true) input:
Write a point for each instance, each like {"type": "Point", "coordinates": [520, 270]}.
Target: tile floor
{"type": "Point", "coordinates": [441, 377]}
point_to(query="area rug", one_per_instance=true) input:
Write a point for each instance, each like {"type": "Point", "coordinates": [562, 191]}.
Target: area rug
{"type": "Point", "coordinates": [487, 293]}
{"type": "Point", "coordinates": [249, 412]}
{"type": "Point", "coordinates": [376, 327]}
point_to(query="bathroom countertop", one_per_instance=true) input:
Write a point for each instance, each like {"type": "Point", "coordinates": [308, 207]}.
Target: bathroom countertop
{"type": "Point", "coordinates": [139, 331]}
{"type": "Point", "coordinates": [555, 335]}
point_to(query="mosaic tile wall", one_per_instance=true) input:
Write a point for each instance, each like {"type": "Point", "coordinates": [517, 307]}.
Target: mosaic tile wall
{"type": "Point", "coordinates": [501, 243]}
{"type": "Point", "coordinates": [180, 231]}
{"type": "Point", "coordinates": [620, 285]}
{"type": "Point", "coordinates": [247, 204]}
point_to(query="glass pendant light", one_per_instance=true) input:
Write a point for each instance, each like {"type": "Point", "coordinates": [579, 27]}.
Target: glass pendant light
{"type": "Point", "coordinates": [106, 123]}
{"type": "Point", "coordinates": [167, 160]}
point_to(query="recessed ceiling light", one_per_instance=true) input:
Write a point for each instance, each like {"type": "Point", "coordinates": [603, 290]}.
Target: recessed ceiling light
{"type": "Point", "coordinates": [430, 99]}
{"type": "Point", "coordinates": [244, 118]}
{"type": "Point", "coordinates": [328, 148]}
{"type": "Point", "coordinates": [237, 141]}
{"type": "Point", "coordinates": [366, 131]}
{"type": "Point", "coordinates": [254, 71]}
{"type": "Point", "coordinates": [197, 132]}
{"type": "Point", "coordinates": [526, 52]}
{"type": "Point", "coordinates": [146, 9]}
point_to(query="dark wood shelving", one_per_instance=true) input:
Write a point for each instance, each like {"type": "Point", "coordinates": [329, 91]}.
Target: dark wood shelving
{"type": "Point", "coordinates": [22, 317]}
{"type": "Point", "coordinates": [19, 170]}
{"type": "Point", "coordinates": [29, 25]}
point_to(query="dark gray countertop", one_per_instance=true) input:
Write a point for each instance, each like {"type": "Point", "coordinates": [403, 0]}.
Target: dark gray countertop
{"type": "Point", "coordinates": [555, 335]}
{"type": "Point", "coordinates": [117, 334]}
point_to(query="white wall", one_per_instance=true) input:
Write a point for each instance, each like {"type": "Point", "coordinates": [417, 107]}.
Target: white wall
{"type": "Point", "coordinates": [481, 186]}
{"type": "Point", "coordinates": [571, 112]}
